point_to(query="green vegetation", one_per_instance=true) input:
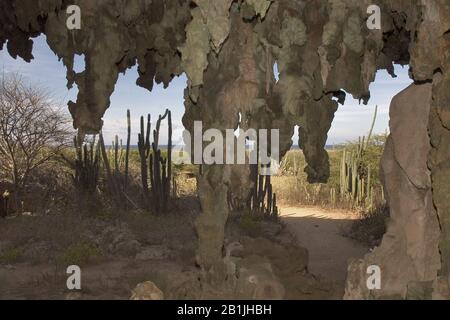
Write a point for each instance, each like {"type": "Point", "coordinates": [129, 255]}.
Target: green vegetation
{"type": "Point", "coordinates": [86, 166]}
{"type": "Point", "coordinates": [80, 253]}
{"type": "Point", "coordinates": [141, 178]}
{"type": "Point", "coordinates": [11, 256]}
{"type": "Point", "coordinates": [250, 224]}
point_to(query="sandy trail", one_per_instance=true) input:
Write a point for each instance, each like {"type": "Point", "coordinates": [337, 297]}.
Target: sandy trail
{"type": "Point", "coordinates": [320, 231]}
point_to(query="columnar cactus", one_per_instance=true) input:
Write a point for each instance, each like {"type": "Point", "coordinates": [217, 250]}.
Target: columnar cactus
{"type": "Point", "coordinates": [263, 200]}
{"type": "Point", "coordinates": [144, 153]}
{"type": "Point", "coordinates": [355, 179]}
{"type": "Point", "coordinates": [127, 152]}
{"type": "Point", "coordinates": [86, 165]}
{"type": "Point", "coordinates": [160, 167]}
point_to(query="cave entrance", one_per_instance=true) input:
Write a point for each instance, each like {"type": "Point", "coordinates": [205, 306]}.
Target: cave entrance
{"type": "Point", "coordinates": [345, 217]}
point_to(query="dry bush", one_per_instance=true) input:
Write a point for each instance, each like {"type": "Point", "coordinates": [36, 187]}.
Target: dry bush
{"type": "Point", "coordinates": [33, 129]}
{"type": "Point", "coordinates": [371, 226]}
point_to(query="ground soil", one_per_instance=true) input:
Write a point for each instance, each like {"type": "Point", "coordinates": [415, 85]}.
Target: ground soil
{"type": "Point", "coordinates": [321, 232]}
{"type": "Point", "coordinates": [171, 241]}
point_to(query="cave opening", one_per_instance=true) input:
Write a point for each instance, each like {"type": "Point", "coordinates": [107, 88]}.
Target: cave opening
{"type": "Point", "coordinates": [322, 50]}
{"type": "Point", "coordinates": [330, 219]}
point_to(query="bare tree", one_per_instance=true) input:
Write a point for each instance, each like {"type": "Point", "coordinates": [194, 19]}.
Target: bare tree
{"type": "Point", "coordinates": [33, 129]}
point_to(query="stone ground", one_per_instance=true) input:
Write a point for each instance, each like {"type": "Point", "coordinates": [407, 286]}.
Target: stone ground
{"type": "Point", "coordinates": [141, 248]}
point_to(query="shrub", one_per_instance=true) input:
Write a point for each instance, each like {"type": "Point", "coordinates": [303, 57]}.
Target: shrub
{"type": "Point", "coordinates": [371, 227]}
{"type": "Point", "coordinates": [11, 255]}
{"type": "Point", "coordinates": [33, 128]}
{"type": "Point", "coordinates": [80, 253]}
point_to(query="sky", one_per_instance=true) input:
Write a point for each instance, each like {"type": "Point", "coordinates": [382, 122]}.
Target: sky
{"type": "Point", "coordinates": [351, 120]}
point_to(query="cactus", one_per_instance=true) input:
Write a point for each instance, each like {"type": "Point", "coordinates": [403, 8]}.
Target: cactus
{"type": "Point", "coordinates": [86, 165]}
{"type": "Point", "coordinates": [116, 153]}
{"type": "Point", "coordinates": [144, 153]}
{"type": "Point", "coordinates": [355, 179]}
{"type": "Point", "coordinates": [262, 199]}
{"type": "Point", "coordinates": [127, 152]}
{"type": "Point", "coordinates": [155, 168]}
{"type": "Point", "coordinates": [110, 178]}
{"type": "Point", "coordinates": [274, 207]}
{"type": "Point", "coordinates": [160, 167]}
{"type": "Point", "coordinates": [333, 196]}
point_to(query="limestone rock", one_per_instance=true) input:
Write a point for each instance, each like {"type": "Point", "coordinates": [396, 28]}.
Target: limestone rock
{"type": "Point", "coordinates": [409, 254]}
{"type": "Point", "coordinates": [147, 291]}
{"type": "Point", "coordinates": [195, 51]}
{"type": "Point", "coordinates": [257, 280]}
{"type": "Point", "coordinates": [409, 123]}
{"type": "Point", "coordinates": [260, 6]}
{"type": "Point", "coordinates": [156, 252]}
{"type": "Point", "coordinates": [73, 296]}
{"type": "Point", "coordinates": [216, 14]}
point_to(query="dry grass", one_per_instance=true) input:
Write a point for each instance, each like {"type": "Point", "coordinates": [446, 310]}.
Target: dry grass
{"type": "Point", "coordinates": [73, 239]}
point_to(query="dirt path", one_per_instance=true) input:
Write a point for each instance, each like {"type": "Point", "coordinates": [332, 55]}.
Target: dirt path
{"type": "Point", "coordinates": [320, 231]}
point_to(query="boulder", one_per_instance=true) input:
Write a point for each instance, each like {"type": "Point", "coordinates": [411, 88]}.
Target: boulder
{"type": "Point", "coordinates": [147, 291]}
{"type": "Point", "coordinates": [408, 256]}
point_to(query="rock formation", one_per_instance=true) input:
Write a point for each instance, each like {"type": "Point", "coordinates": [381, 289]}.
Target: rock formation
{"type": "Point", "coordinates": [409, 253]}
{"type": "Point", "coordinates": [147, 291]}
{"type": "Point", "coordinates": [228, 50]}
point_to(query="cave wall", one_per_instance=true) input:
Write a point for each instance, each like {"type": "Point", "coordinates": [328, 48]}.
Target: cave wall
{"type": "Point", "coordinates": [228, 49]}
{"type": "Point", "coordinates": [413, 255]}
{"type": "Point", "coordinates": [408, 256]}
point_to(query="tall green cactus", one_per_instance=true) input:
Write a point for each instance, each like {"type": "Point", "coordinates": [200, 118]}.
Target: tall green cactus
{"type": "Point", "coordinates": [86, 165]}
{"type": "Point", "coordinates": [110, 177]}
{"type": "Point", "coordinates": [160, 167]}
{"type": "Point", "coordinates": [144, 153]}
{"type": "Point", "coordinates": [355, 179]}
{"type": "Point", "coordinates": [127, 152]}
{"type": "Point", "coordinates": [116, 152]}
{"type": "Point", "coordinates": [262, 200]}
{"type": "Point", "coordinates": [156, 170]}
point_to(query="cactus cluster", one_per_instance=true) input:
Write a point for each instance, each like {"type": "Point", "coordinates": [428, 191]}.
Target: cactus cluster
{"type": "Point", "coordinates": [144, 154]}
{"type": "Point", "coordinates": [262, 200]}
{"type": "Point", "coordinates": [156, 169]}
{"type": "Point", "coordinates": [112, 179]}
{"type": "Point", "coordinates": [114, 160]}
{"type": "Point", "coordinates": [116, 153]}
{"type": "Point", "coordinates": [355, 180]}
{"type": "Point", "coordinates": [161, 167]}
{"type": "Point", "coordinates": [86, 165]}
{"type": "Point", "coordinates": [154, 166]}
{"type": "Point", "coordinates": [355, 177]}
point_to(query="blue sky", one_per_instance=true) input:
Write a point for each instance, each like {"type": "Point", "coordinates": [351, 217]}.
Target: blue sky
{"type": "Point", "coordinates": [352, 120]}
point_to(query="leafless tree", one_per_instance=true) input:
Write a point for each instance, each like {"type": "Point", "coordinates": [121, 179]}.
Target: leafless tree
{"type": "Point", "coordinates": [33, 129]}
